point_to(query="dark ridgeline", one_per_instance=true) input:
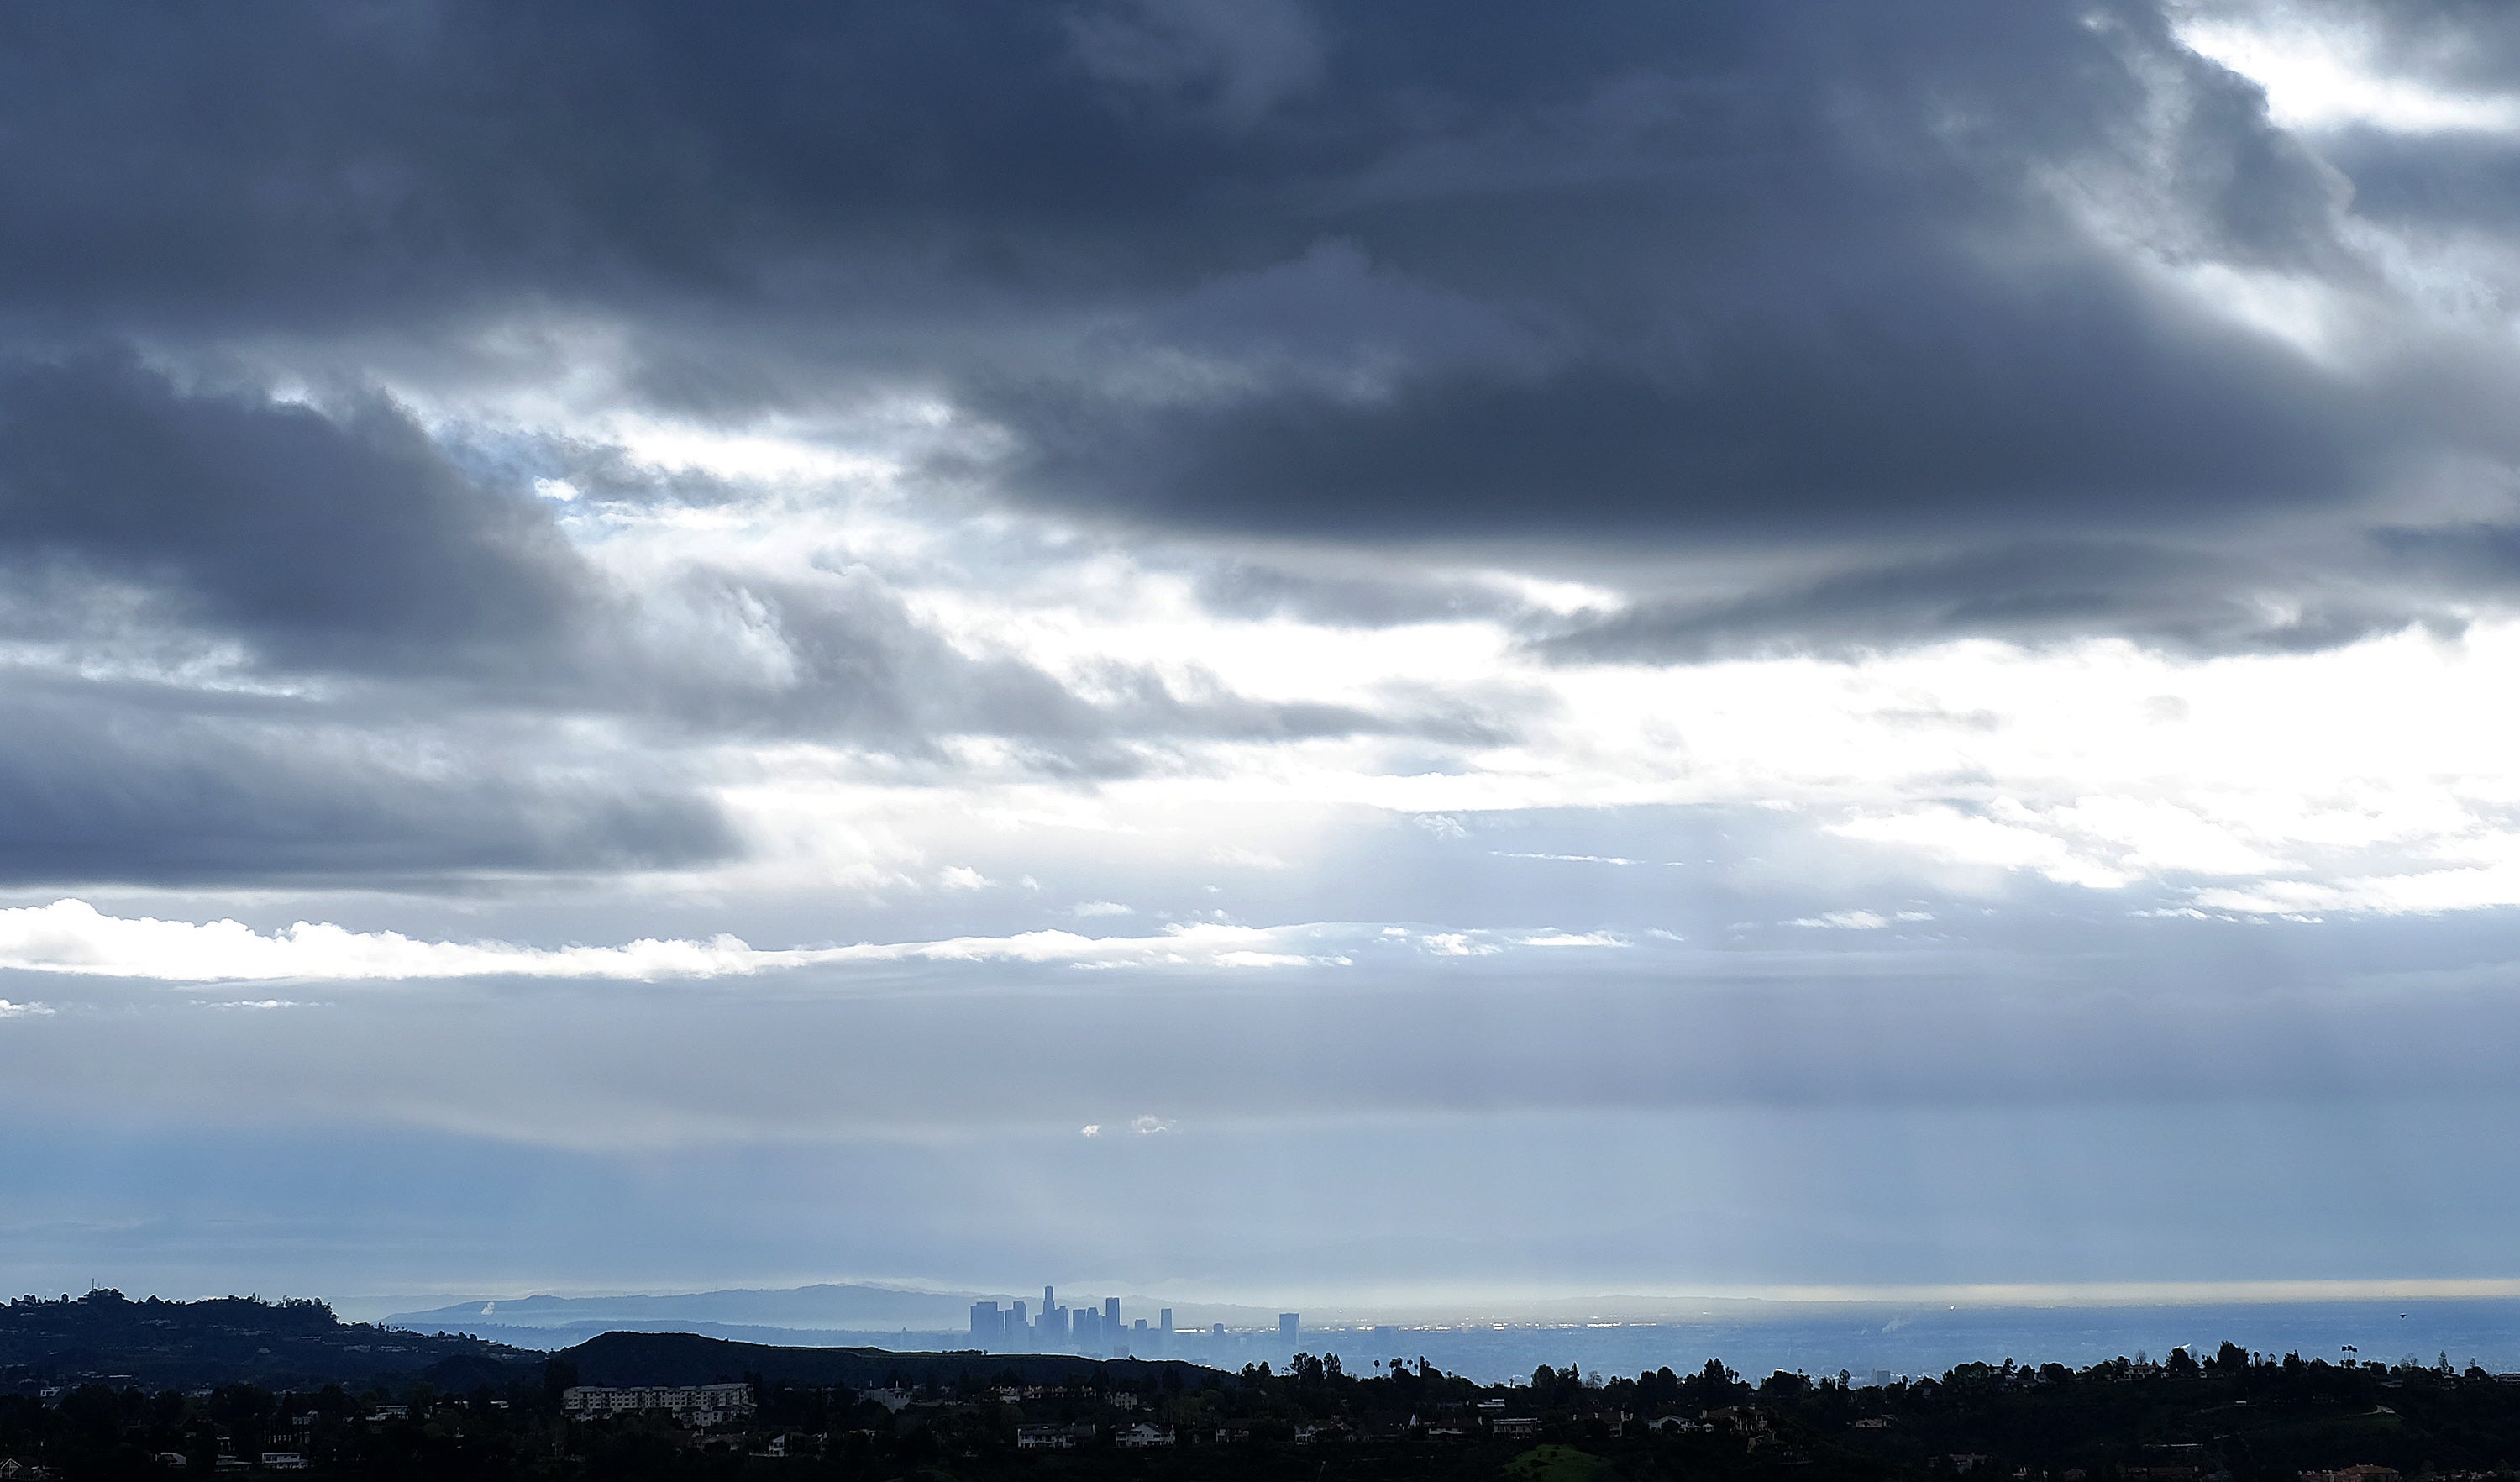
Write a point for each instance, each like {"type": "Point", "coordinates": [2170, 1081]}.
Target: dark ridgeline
{"type": "Point", "coordinates": [228, 1340]}
{"type": "Point", "coordinates": [103, 1387]}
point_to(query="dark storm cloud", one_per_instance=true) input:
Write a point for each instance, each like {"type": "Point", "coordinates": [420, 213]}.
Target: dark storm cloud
{"type": "Point", "coordinates": [1731, 268]}
{"type": "Point", "coordinates": [432, 624]}
{"type": "Point", "coordinates": [2186, 600]}
{"type": "Point", "coordinates": [1253, 589]}
{"type": "Point", "coordinates": [140, 784]}
{"type": "Point", "coordinates": [342, 539]}
{"type": "Point", "coordinates": [345, 539]}
{"type": "Point", "coordinates": [854, 664]}
{"type": "Point", "coordinates": [1642, 276]}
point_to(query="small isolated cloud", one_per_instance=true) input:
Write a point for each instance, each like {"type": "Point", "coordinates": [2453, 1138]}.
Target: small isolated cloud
{"type": "Point", "coordinates": [1859, 920]}
{"type": "Point", "coordinates": [9, 1011]}
{"type": "Point", "coordinates": [1091, 1130]}
{"type": "Point", "coordinates": [1101, 908]}
{"type": "Point", "coordinates": [251, 1003]}
{"type": "Point", "coordinates": [1569, 859]}
{"type": "Point", "coordinates": [1555, 938]}
{"type": "Point", "coordinates": [962, 877]}
{"type": "Point", "coordinates": [1457, 944]}
{"type": "Point", "coordinates": [1442, 825]}
{"type": "Point", "coordinates": [1149, 1126]}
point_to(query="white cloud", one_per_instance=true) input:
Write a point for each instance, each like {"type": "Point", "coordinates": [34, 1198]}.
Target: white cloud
{"type": "Point", "coordinates": [1859, 921]}
{"type": "Point", "coordinates": [961, 878]}
{"type": "Point", "coordinates": [2425, 893]}
{"type": "Point", "coordinates": [2320, 78]}
{"type": "Point", "coordinates": [1979, 839]}
{"type": "Point", "coordinates": [1101, 908]}
{"type": "Point", "coordinates": [9, 1011]}
{"type": "Point", "coordinates": [72, 936]}
{"type": "Point", "coordinates": [1149, 1126]}
{"type": "Point", "coordinates": [1557, 938]}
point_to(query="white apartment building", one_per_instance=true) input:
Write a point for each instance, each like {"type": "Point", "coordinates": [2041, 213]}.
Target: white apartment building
{"type": "Point", "coordinates": [690, 1403]}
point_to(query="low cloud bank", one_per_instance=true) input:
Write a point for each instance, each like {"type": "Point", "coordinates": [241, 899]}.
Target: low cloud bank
{"type": "Point", "coordinates": [71, 936]}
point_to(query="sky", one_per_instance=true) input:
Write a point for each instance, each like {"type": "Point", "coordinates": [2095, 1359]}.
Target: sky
{"type": "Point", "coordinates": [1418, 654]}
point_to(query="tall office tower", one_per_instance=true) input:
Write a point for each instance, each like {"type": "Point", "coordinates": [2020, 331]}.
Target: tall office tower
{"type": "Point", "coordinates": [1164, 1321]}
{"type": "Point", "coordinates": [1290, 1326]}
{"type": "Point", "coordinates": [1018, 1327]}
{"type": "Point", "coordinates": [1111, 1315]}
{"type": "Point", "coordinates": [1217, 1331]}
{"type": "Point", "coordinates": [1047, 1300]}
{"type": "Point", "coordinates": [987, 1328]}
{"type": "Point", "coordinates": [1085, 1327]}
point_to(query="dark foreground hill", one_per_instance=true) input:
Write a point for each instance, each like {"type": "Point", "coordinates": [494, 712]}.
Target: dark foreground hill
{"type": "Point", "coordinates": [299, 1344]}
{"type": "Point", "coordinates": [682, 1358]}
{"type": "Point", "coordinates": [286, 1344]}
{"type": "Point", "coordinates": [475, 1413]}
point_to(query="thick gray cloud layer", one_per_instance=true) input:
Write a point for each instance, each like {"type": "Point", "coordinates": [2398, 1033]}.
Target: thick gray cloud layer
{"type": "Point", "coordinates": [1450, 271]}
{"type": "Point", "coordinates": [1888, 298]}
{"type": "Point", "coordinates": [395, 636]}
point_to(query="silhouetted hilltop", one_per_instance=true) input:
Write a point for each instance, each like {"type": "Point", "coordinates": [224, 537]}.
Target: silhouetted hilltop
{"type": "Point", "coordinates": [681, 1358]}
{"type": "Point", "coordinates": [298, 1343]}
{"type": "Point", "coordinates": [291, 1342]}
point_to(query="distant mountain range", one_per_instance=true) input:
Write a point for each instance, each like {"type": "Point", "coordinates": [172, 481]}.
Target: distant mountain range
{"type": "Point", "coordinates": [830, 1308]}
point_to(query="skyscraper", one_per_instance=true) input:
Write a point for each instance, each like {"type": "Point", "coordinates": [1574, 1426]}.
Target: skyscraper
{"type": "Point", "coordinates": [1290, 1326]}
{"type": "Point", "coordinates": [1112, 1313]}
{"type": "Point", "coordinates": [1018, 1327]}
{"type": "Point", "coordinates": [1164, 1321]}
{"type": "Point", "coordinates": [987, 1326]}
